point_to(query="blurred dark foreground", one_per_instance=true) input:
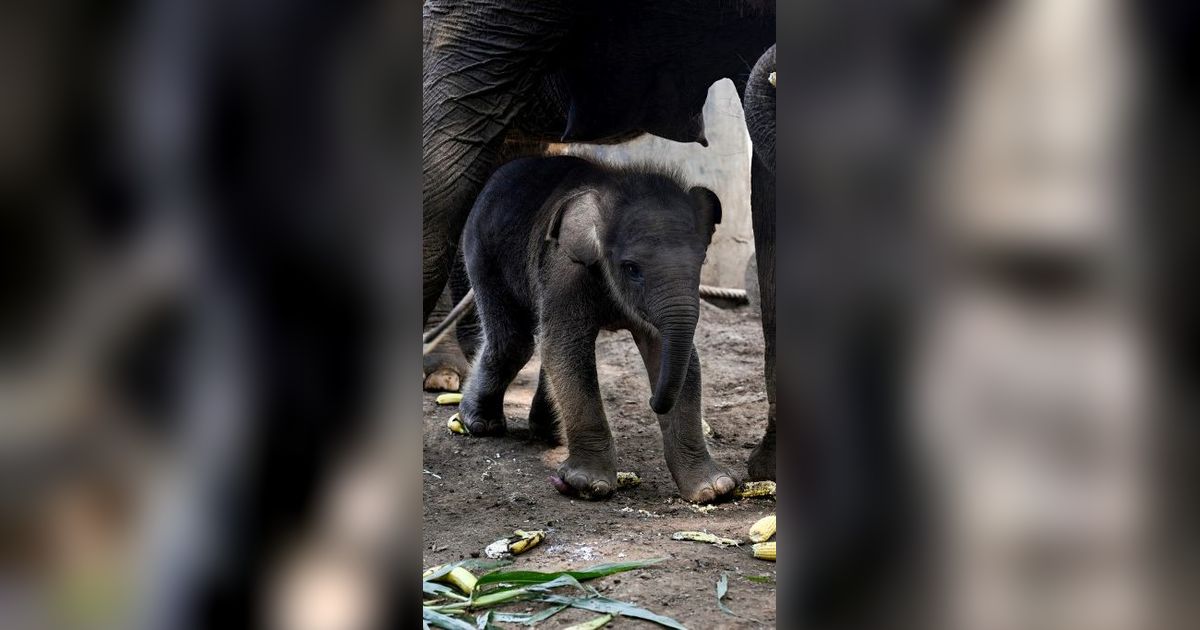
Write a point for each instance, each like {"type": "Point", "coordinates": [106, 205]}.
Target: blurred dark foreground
{"type": "Point", "coordinates": [209, 270]}
{"type": "Point", "coordinates": [207, 254]}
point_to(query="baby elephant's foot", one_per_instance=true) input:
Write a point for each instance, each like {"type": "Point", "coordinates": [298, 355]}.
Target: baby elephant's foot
{"type": "Point", "coordinates": [482, 426]}
{"type": "Point", "coordinates": [706, 483]}
{"type": "Point", "coordinates": [586, 477]}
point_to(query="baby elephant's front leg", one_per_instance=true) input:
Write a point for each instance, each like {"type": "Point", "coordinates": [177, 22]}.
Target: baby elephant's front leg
{"type": "Point", "coordinates": [569, 363]}
{"type": "Point", "coordinates": [700, 479]}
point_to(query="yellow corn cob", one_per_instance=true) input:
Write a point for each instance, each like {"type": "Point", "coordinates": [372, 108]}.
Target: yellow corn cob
{"type": "Point", "coordinates": [520, 542]}
{"type": "Point", "coordinates": [756, 489]}
{"type": "Point", "coordinates": [461, 578]}
{"type": "Point", "coordinates": [627, 479]}
{"type": "Point", "coordinates": [456, 426]}
{"type": "Point", "coordinates": [764, 550]}
{"type": "Point", "coordinates": [763, 529]}
{"type": "Point", "coordinates": [449, 399]}
{"type": "Point", "coordinates": [706, 538]}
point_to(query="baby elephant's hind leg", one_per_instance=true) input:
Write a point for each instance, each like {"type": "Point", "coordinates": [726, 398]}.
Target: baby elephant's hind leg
{"type": "Point", "coordinates": [507, 345]}
{"type": "Point", "coordinates": [543, 425]}
{"type": "Point", "coordinates": [700, 479]}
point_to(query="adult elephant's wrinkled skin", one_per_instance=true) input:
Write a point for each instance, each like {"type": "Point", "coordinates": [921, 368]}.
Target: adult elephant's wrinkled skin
{"type": "Point", "coordinates": [504, 74]}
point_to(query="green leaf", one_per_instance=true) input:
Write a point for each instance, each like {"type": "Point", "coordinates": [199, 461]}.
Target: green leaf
{"type": "Point", "coordinates": [441, 572]}
{"type": "Point", "coordinates": [546, 614]}
{"type": "Point", "coordinates": [483, 564]}
{"type": "Point", "coordinates": [482, 621]}
{"type": "Point", "coordinates": [761, 579]}
{"type": "Point", "coordinates": [498, 596]}
{"type": "Point", "coordinates": [598, 622]}
{"type": "Point", "coordinates": [605, 605]}
{"type": "Point", "coordinates": [437, 619]}
{"type": "Point", "coordinates": [722, 589]}
{"type": "Point", "coordinates": [529, 619]}
{"type": "Point", "coordinates": [470, 563]}
{"type": "Point", "coordinates": [440, 590]}
{"type": "Point", "coordinates": [538, 577]}
{"type": "Point", "coordinates": [562, 580]}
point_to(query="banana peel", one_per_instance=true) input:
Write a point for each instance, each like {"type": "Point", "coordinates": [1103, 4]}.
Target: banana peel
{"type": "Point", "coordinates": [458, 577]}
{"type": "Point", "coordinates": [449, 399]}
{"type": "Point", "coordinates": [456, 426]}
{"type": "Point", "coordinates": [520, 542]}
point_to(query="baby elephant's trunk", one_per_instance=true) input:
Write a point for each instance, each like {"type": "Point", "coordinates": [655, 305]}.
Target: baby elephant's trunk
{"type": "Point", "coordinates": [677, 325]}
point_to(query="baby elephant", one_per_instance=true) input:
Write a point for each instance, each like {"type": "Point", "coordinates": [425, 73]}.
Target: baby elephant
{"type": "Point", "coordinates": [564, 248]}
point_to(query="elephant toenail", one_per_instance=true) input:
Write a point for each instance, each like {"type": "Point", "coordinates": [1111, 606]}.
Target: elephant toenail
{"type": "Point", "coordinates": [560, 485]}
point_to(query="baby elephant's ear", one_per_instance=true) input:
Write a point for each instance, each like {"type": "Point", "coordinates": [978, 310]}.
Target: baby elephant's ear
{"type": "Point", "coordinates": [575, 226]}
{"type": "Point", "coordinates": [708, 207]}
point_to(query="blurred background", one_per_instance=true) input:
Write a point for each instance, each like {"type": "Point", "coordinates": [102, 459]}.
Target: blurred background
{"type": "Point", "coordinates": [986, 223]}
{"type": "Point", "coordinates": [209, 284]}
{"type": "Point", "coordinates": [207, 263]}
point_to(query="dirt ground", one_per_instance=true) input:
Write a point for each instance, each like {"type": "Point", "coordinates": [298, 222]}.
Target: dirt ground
{"type": "Point", "coordinates": [477, 490]}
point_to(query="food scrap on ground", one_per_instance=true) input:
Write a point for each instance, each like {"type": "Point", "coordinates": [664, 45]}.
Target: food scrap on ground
{"type": "Point", "coordinates": [449, 399]}
{"type": "Point", "coordinates": [752, 489]}
{"type": "Point", "coordinates": [444, 608]}
{"type": "Point", "coordinates": [764, 550]}
{"type": "Point", "coordinates": [520, 542]}
{"type": "Point", "coordinates": [763, 529]}
{"type": "Point", "coordinates": [628, 479]}
{"type": "Point", "coordinates": [706, 537]}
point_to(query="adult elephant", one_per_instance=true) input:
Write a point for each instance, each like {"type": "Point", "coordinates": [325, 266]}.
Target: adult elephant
{"type": "Point", "coordinates": [499, 75]}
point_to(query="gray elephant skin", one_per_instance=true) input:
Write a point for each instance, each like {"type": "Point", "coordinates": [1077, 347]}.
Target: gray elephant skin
{"type": "Point", "coordinates": [563, 248]}
{"type": "Point", "coordinates": [502, 79]}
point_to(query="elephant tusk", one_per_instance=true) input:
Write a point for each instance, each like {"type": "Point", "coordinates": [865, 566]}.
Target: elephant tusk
{"type": "Point", "coordinates": [771, 78]}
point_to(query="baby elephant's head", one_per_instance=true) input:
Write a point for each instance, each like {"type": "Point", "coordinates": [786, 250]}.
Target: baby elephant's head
{"type": "Point", "coordinates": [648, 236]}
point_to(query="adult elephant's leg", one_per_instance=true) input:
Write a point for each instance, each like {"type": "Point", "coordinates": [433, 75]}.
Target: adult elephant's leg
{"type": "Point", "coordinates": [760, 121]}
{"type": "Point", "coordinates": [481, 62]}
{"type": "Point", "coordinates": [762, 460]}
{"type": "Point", "coordinates": [445, 367]}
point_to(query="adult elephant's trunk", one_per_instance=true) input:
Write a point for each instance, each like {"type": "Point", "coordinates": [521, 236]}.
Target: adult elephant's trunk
{"type": "Point", "coordinates": [677, 326]}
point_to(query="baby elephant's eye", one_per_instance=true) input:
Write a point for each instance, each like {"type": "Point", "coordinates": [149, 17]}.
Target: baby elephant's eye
{"type": "Point", "coordinates": [632, 270]}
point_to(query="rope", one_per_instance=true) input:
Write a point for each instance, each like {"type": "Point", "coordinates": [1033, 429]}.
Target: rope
{"type": "Point", "coordinates": [736, 295]}
{"type": "Point", "coordinates": [434, 335]}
